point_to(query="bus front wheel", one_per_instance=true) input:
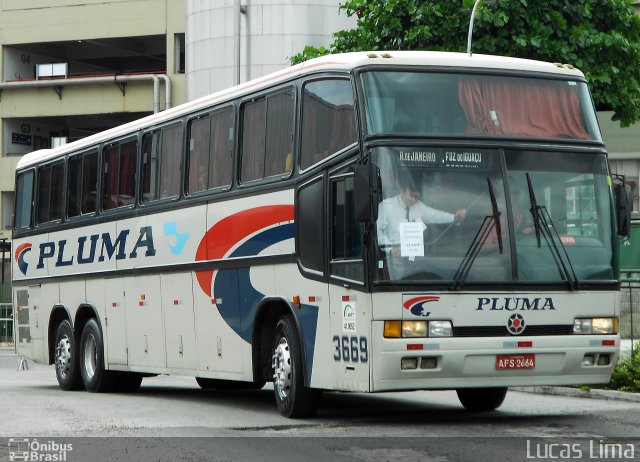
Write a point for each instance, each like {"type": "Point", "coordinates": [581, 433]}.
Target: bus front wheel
{"type": "Point", "coordinates": [66, 358]}
{"type": "Point", "coordinates": [96, 379]}
{"type": "Point", "coordinates": [292, 397]}
{"type": "Point", "coordinates": [481, 399]}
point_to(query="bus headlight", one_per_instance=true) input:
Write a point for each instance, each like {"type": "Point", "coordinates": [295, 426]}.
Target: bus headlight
{"type": "Point", "coordinates": [440, 329]}
{"type": "Point", "coordinates": [414, 329]}
{"type": "Point", "coordinates": [595, 326]}
{"type": "Point", "coordinates": [417, 329]}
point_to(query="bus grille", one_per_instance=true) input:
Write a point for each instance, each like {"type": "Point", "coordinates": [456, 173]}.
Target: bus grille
{"type": "Point", "coordinates": [501, 331]}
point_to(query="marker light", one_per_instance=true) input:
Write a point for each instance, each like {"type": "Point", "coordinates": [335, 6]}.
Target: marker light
{"type": "Point", "coordinates": [595, 326]}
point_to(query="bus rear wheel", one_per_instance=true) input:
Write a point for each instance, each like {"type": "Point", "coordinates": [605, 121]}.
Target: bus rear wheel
{"type": "Point", "coordinates": [94, 376]}
{"type": "Point", "coordinates": [482, 399]}
{"type": "Point", "coordinates": [292, 397]}
{"type": "Point", "coordinates": [66, 358]}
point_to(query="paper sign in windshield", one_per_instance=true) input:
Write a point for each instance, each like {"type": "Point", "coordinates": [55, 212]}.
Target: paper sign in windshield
{"type": "Point", "coordinates": [411, 243]}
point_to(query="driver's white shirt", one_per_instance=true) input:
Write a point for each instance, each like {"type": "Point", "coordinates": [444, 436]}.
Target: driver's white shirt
{"type": "Point", "coordinates": [393, 211]}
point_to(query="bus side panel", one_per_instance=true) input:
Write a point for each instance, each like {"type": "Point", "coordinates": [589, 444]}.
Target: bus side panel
{"type": "Point", "coordinates": [219, 346]}
{"type": "Point", "coordinates": [72, 295]}
{"type": "Point", "coordinates": [179, 324]}
{"type": "Point", "coordinates": [314, 320]}
{"type": "Point", "coordinates": [350, 338]}
{"type": "Point", "coordinates": [145, 332]}
{"type": "Point", "coordinates": [110, 293]}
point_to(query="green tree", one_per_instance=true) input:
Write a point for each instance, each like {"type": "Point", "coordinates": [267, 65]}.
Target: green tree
{"type": "Point", "coordinates": [600, 37]}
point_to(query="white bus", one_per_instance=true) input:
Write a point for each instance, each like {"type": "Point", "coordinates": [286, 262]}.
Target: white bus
{"type": "Point", "coordinates": [252, 236]}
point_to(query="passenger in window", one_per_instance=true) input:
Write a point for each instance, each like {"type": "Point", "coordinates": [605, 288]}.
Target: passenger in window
{"type": "Point", "coordinates": [406, 207]}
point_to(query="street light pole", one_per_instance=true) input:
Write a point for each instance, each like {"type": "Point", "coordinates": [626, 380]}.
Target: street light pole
{"type": "Point", "coordinates": [473, 15]}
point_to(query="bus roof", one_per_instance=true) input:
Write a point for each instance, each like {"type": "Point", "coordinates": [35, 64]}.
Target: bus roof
{"type": "Point", "coordinates": [340, 62]}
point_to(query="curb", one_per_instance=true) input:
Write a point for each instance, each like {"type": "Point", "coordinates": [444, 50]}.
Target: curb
{"type": "Point", "coordinates": [577, 393]}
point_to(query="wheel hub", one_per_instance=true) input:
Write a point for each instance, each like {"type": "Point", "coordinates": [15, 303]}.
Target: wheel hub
{"type": "Point", "coordinates": [90, 356]}
{"type": "Point", "coordinates": [63, 356]}
{"type": "Point", "coordinates": [281, 362]}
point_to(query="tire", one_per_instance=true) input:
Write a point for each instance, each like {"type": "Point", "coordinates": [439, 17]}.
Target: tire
{"type": "Point", "coordinates": [94, 376]}
{"type": "Point", "coordinates": [292, 398]}
{"type": "Point", "coordinates": [128, 382]}
{"type": "Point", "coordinates": [66, 358]}
{"type": "Point", "coordinates": [209, 384]}
{"type": "Point", "coordinates": [481, 399]}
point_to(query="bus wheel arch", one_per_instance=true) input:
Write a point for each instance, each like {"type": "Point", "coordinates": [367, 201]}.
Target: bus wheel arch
{"type": "Point", "coordinates": [267, 315]}
{"type": "Point", "coordinates": [83, 315]}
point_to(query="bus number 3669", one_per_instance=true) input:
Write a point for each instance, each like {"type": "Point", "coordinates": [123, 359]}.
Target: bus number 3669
{"type": "Point", "coordinates": [353, 349]}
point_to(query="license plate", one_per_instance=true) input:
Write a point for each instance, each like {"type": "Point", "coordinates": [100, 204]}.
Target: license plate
{"type": "Point", "coordinates": [515, 362]}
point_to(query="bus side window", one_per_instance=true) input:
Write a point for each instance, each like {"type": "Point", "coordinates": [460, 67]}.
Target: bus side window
{"type": "Point", "coordinates": [50, 193]}
{"type": "Point", "coordinates": [346, 239]}
{"type": "Point", "coordinates": [279, 136]}
{"type": "Point", "coordinates": [328, 120]}
{"type": "Point", "coordinates": [161, 154]}
{"type": "Point", "coordinates": [82, 182]}
{"type": "Point", "coordinates": [221, 150]}
{"type": "Point", "coordinates": [210, 157]}
{"type": "Point", "coordinates": [24, 200]}
{"type": "Point", "coordinates": [267, 136]}
{"type": "Point", "coordinates": [253, 140]}
{"type": "Point", "coordinates": [198, 160]}
{"type": "Point", "coordinates": [118, 187]}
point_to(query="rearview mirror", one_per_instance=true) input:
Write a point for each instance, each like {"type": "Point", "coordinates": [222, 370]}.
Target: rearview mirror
{"type": "Point", "coordinates": [623, 197]}
{"type": "Point", "coordinates": [366, 189]}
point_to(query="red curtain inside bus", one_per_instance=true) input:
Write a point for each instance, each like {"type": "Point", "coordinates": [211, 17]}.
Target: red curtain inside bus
{"type": "Point", "coordinates": [541, 109]}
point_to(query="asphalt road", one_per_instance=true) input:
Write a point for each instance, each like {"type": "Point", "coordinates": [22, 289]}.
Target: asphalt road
{"type": "Point", "coordinates": [245, 425]}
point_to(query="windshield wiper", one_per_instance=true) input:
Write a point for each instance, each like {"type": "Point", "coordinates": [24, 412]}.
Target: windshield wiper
{"type": "Point", "coordinates": [488, 224]}
{"type": "Point", "coordinates": [543, 224]}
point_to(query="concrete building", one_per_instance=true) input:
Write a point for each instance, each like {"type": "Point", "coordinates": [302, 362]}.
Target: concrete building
{"type": "Point", "coordinates": [233, 41]}
{"type": "Point", "coordinates": [70, 69]}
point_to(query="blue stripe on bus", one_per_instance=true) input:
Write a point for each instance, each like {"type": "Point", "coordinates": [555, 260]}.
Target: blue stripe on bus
{"type": "Point", "coordinates": [240, 299]}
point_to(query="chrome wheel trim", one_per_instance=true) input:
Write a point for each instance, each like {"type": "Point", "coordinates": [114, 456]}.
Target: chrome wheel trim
{"type": "Point", "coordinates": [90, 356]}
{"type": "Point", "coordinates": [281, 362]}
{"type": "Point", "coordinates": [63, 356]}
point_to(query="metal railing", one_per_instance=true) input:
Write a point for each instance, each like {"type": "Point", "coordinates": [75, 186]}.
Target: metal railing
{"type": "Point", "coordinates": [6, 323]}
{"type": "Point", "coordinates": [630, 309]}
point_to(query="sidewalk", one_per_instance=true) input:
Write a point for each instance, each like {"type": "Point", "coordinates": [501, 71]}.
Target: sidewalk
{"type": "Point", "coordinates": [8, 357]}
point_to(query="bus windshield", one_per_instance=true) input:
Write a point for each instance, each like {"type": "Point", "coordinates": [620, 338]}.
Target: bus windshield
{"type": "Point", "coordinates": [452, 214]}
{"type": "Point", "coordinates": [413, 103]}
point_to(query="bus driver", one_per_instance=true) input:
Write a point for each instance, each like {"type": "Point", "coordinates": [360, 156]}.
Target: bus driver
{"type": "Point", "coordinates": [407, 207]}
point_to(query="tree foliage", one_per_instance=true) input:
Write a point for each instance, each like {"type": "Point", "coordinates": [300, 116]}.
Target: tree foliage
{"type": "Point", "coordinates": [600, 37]}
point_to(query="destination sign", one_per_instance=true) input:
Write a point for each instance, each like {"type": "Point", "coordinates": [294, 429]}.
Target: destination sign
{"type": "Point", "coordinates": [443, 158]}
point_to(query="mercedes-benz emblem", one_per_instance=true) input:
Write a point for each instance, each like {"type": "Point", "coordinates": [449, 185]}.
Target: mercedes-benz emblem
{"type": "Point", "coordinates": [516, 324]}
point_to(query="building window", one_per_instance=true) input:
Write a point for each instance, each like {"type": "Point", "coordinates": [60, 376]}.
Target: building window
{"type": "Point", "coordinates": [180, 61]}
{"type": "Point", "coordinates": [6, 205]}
